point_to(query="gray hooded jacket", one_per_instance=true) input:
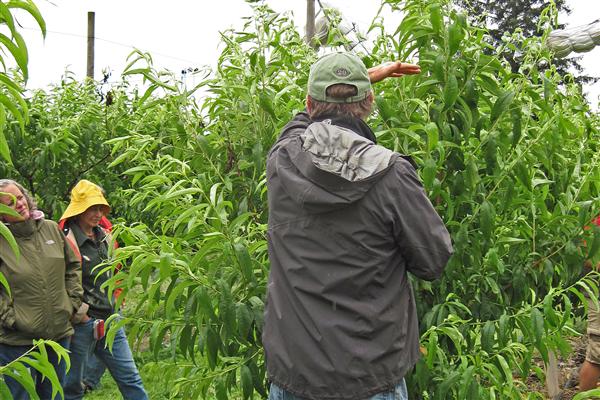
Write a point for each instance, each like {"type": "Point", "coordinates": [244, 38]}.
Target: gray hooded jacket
{"type": "Point", "coordinates": [347, 220]}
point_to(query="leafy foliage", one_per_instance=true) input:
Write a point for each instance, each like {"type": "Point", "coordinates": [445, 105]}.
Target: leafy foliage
{"type": "Point", "coordinates": [66, 140]}
{"type": "Point", "coordinates": [509, 159]}
{"type": "Point", "coordinates": [522, 17]}
{"type": "Point", "coordinates": [14, 50]}
{"type": "Point", "coordinates": [36, 358]}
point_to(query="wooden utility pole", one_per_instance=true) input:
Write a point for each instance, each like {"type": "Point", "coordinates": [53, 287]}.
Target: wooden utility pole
{"type": "Point", "coordinates": [310, 21]}
{"type": "Point", "coordinates": [90, 44]}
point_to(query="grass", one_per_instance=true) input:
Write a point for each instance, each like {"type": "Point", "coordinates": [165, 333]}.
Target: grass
{"type": "Point", "coordinates": [155, 387]}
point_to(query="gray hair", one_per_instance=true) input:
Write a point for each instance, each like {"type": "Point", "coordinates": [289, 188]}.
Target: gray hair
{"type": "Point", "coordinates": [30, 200]}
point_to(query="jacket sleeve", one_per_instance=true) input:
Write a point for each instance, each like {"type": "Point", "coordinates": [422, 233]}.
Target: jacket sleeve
{"type": "Point", "coordinates": [418, 230]}
{"type": "Point", "coordinates": [7, 312]}
{"type": "Point", "coordinates": [72, 275]}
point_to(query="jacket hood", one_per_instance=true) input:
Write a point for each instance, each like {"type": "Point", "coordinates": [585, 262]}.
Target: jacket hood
{"type": "Point", "coordinates": [334, 166]}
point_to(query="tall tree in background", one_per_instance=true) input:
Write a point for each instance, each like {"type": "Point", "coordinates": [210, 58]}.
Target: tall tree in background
{"type": "Point", "coordinates": [500, 17]}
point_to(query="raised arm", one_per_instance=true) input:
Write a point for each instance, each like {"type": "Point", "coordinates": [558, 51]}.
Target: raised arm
{"type": "Point", "coordinates": [392, 69]}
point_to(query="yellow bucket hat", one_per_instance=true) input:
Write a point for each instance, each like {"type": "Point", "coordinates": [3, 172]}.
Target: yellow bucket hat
{"type": "Point", "coordinates": [84, 195]}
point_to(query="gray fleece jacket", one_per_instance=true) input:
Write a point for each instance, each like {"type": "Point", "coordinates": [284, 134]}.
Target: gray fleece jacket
{"type": "Point", "coordinates": [348, 219]}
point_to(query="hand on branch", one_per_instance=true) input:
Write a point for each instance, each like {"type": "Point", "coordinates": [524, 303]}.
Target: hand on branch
{"type": "Point", "coordinates": [393, 69]}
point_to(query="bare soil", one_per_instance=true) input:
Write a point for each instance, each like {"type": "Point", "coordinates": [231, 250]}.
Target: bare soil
{"type": "Point", "coordinates": [568, 369]}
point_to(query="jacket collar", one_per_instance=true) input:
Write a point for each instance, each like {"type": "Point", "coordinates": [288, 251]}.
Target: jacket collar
{"type": "Point", "coordinates": [356, 125]}
{"type": "Point", "coordinates": [23, 229]}
{"type": "Point", "coordinates": [81, 237]}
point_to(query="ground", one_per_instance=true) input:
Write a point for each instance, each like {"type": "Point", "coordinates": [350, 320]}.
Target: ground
{"type": "Point", "coordinates": [569, 371]}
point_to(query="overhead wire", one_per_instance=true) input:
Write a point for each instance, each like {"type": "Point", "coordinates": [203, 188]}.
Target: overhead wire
{"type": "Point", "coordinates": [112, 42]}
{"type": "Point", "coordinates": [354, 28]}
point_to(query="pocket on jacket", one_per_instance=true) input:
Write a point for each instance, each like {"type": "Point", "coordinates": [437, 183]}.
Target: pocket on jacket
{"type": "Point", "coordinates": [25, 324]}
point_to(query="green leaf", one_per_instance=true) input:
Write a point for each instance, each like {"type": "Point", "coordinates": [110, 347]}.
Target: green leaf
{"type": "Point", "coordinates": [266, 104]}
{"type": "Point", "coordinates": [487, 215]}
{"type": "Point", "coordinates": [450, 92]}
{"type": "Point", "coordinates": [174, 296]}
{"type": "Point", "coordinates": [505, 369]}
{"type": "Point", "coordinates": [438, 68]}
{"type": "Point", "coordinates": [537, 324]}
{"type": "Point", "coordinates": [112, 328]}
{"type": "Point", "coordinates": [448, 383]}
{"type": "Point", "coordinates": [472, 174]}
{"type": "Point", "coordinates": [244, 320]}
{"type": "Point", "coordinates": [467, 382]}
{"type": "Point", "coordinates": [7, 18]}
{"type": "Point", "coordinates": [435, 17]}
{"type": "Point", "coordinates": [4, 391]}
{"type": "Point", "coordinates": [246, 378]}
{"type": "Point", "coordinates": [547, 88]}
{"type": "Point", "coordinates": [23, 56]}
{"type": "Point", "coordinates": [456, 337]}
{"type": "Point", "coordinates": [244, 260]}
{"type": "Point", "coordinates": [9, 104]}
{"type": "Point", "coordinates": [590, 394]}
{"type": "Point", "coordinates": [148, 75]}
{"type": "Point", "coordinates": [5, 284]}
{"type": "Point", "coordinates": [471, 93]}
{"type": "Point", "coordinates": [5, 232]}
{"type": "Point", "coordinates": [487, 336]}
{"type": "Point", "coordinates": [504, 329]}
{"type": "Point", "coordinates": [549, 313]}
{"type": "Point", "coordinates": [432, 136]}
{"type": "Point", "coordinates": [4, 150]}
{"type": "Point", "coordinates": [432, 349]}
{"type": "Point", "coordinates": [429, 171]}
{"type": "Point", "coordinates": [595, 243]}
{"type": "Point", "coordinates": [212, 347]}
{"type": "Point", "coordinates": [455, 37]}
{"type": "Point", "coordinates": [501, 105]}
{"type": "Point", "coordinates": [166, 259]}
{"type": "Point", "coordinates": [22, 375]}
{"type": "Point", "coordinates": [32, 9]}
{"type": "Point", "coordinates": [515, 114]}
{"type": "Point", "coordinates": [19, 54]}
{"type": "Point", "coordinates": [221, 389]}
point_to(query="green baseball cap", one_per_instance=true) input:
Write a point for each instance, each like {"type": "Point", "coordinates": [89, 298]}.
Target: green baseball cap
{"type": "Point", "coordinates": [337, 68]}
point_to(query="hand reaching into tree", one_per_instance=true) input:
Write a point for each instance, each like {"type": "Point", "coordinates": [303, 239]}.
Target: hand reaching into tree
{"type": "Point", "coordinates": [393, 69]}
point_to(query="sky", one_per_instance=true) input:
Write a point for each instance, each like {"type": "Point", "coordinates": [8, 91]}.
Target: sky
{"type": "Point", "coordinates": [183, 34]}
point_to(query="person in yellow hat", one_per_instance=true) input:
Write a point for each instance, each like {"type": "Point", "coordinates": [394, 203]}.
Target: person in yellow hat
{"type": "Point", "coordinates": [82, 227]}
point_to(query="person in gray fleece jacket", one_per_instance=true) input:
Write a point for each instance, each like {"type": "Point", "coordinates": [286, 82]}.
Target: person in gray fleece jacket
{"type": "Point", "coordinates": [348, 219]}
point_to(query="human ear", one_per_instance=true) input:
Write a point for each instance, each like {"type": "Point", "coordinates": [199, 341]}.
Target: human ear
{"type": "Point", "coordinates": [308, 104]}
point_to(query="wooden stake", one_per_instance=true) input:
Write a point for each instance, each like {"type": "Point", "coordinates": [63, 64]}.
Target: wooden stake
{"type": "Point", "coordinates": [310, 21]}
{"type": "Point", "coordinates": [552, 376]}
{"type": "Point", "coordinates": [90, 44]}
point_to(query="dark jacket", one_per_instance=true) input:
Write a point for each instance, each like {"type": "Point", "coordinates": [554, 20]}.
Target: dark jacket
{"type": "Point", "coordinates": [45, 284]}
{"type": "Point", "coordinates": [93, 253]}
{"type": "Point", "coordinates": [347, 220]}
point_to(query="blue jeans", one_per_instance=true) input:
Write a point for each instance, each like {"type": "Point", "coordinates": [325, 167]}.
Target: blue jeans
{"type": "Point", "coordinates": [399, 393]}
{"type": "Point", "coordinates": [120, 363]}
{"type": "Point", "coordinates": [43, 387]}
{"type": "Point", "coordinates": [93, 372]}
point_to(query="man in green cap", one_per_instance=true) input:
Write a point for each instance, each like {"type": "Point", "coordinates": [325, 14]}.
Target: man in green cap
{"type": "Point", "coordinates": [348, 219]}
